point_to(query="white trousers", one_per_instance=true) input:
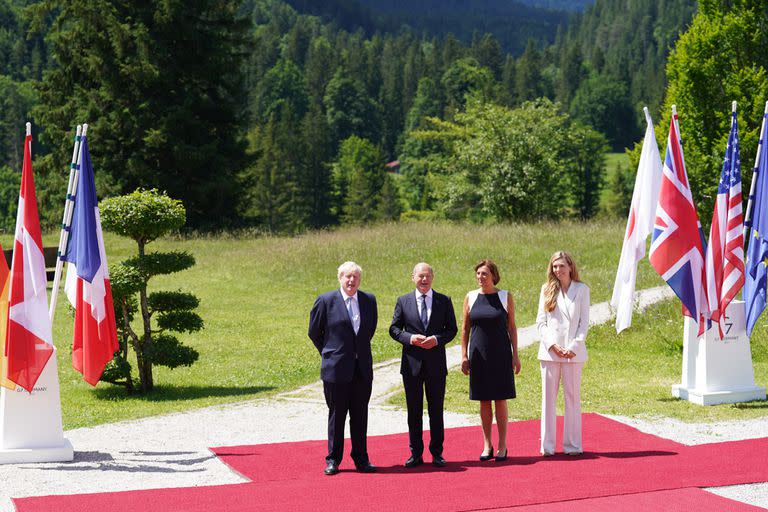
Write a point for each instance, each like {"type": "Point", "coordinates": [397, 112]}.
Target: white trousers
{"type": "Point", "coordinates": [551, 374]}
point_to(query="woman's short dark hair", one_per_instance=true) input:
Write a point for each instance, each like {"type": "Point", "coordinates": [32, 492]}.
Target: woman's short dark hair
{"type": "Point", "coordinates": [492, 267]}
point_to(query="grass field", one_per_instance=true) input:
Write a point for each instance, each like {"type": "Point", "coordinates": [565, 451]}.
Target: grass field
{"type": "Point", "coordinates": [256, 294]}
{"type": "Point", "coordinates": [614, 162]}
{"type": "Point", "coordinates": [629, 374]}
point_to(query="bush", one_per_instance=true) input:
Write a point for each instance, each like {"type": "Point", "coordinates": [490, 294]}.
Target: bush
{"type": "Point", "coordinates": [144, 216]}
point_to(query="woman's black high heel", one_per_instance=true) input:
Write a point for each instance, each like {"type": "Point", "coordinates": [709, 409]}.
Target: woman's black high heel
{"type": "Point", "coordinates": [501, 458]}
{"type": "Point", "coordinates": [484, 457]}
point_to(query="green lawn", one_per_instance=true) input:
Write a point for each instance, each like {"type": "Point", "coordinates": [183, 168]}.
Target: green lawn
{"type": "Point", "coordinates": [613, 160]}
{"type": "Point", "coordinates": [629, 374]}
{"type": "Point", "coordinates": [613, 163]}
{"type": "Point", "coordinates": [256, 294]}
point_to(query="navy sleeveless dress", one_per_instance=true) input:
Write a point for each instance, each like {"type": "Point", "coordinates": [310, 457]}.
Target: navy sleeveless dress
{"type": "Point", "coordinates": [490, 351]}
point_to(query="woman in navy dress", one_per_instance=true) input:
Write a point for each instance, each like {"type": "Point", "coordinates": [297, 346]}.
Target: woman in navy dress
{"type": "Point", "coordinates": [489, 353]}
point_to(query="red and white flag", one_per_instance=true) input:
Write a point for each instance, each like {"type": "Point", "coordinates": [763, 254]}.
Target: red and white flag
{"type": "Point", "coordinates": [29, 342]}
{"type": "Point", "coordinates": [94, 341]}
{"type": "Point", "coordinates": [5, 281]}
{"type": "Point", "coordinates": [725, 252]}
{"type": "Point", "coordinates": [642, 214]}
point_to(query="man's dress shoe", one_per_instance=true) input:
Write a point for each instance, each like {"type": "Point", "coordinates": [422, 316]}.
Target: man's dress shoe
{"type": "Point", "coordinates": [366, 467]}
{"type": "Point", "coordinates": [438, 461]}
{"type": "Point", "coordinates": [412, 462]}
{"type": "Point", "coordinates": [331, 469]}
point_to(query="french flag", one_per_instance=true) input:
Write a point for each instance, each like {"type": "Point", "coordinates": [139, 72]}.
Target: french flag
{"type": "Point", "coordinates": [94, 341]}
{"type": "Point", "coordinates": [29, 340]}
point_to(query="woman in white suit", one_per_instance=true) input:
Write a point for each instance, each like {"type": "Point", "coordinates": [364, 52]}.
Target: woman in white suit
{"type": "Point", "coordinates": [562, 320]}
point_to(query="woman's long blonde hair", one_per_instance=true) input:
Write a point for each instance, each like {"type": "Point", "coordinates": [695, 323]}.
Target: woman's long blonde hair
{"type": "Point", "coordinates": [552, 288]}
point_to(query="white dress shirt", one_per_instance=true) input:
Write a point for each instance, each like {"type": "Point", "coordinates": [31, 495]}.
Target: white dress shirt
{"type": "Point", "coordinates": [428, 302]}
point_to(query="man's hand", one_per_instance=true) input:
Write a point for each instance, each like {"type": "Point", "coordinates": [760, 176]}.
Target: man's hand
{"type": "Point", "coordinates": [417, 339]}
{"type": "Point", "coordinates": [429, 343]}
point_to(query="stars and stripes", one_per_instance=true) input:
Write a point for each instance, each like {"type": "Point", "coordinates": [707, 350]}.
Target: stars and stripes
{"type": "Point", "coordinates": [725, 252]}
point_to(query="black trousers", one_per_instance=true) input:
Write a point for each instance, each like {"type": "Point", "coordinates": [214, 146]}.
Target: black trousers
{"type": "Point", "coordinates": [433, 386]}
{"type": "Point", "coordinates": [351, 397]}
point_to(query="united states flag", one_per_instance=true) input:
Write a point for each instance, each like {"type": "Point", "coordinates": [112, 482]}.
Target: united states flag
{"type": "Point", "coordinates": [725, 252]}
{"type": "Point", "coordinates": [677, 243]}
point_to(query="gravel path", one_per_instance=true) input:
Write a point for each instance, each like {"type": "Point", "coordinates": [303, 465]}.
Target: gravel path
{"type": "Point", "coordinates": [173, 451]}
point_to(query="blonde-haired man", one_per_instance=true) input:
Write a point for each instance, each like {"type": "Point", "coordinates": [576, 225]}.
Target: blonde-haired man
{"type": "Point", "coordinates": [342, 323]}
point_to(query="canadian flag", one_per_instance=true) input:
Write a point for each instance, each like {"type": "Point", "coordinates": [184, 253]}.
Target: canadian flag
{"type": "Point", "coordinates": [29, 342]}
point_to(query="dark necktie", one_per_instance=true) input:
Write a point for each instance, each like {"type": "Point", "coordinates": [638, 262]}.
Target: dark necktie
{"type": "Point", "coordinates": [424, 320]}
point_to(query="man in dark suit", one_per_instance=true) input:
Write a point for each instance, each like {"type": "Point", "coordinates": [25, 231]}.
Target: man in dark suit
{"type": "Point", "coordinates": [341, 325]}
{"type": "Point", "coordinates": [424, 322]}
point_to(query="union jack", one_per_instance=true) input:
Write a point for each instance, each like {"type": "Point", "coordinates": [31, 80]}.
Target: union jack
{"type": "Point", "coordinates": [677, 243]}
{"type": "Point", "coordinates": [725, 252]}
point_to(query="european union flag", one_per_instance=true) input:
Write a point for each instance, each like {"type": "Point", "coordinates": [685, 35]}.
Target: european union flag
{"type": "Point", "coordinates": [757, 251]}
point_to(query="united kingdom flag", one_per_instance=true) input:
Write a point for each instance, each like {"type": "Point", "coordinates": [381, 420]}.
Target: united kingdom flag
{"type": "Point", "coordinates": [677, 244]}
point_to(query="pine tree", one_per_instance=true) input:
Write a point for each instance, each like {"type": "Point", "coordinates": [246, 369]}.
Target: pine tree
{"type": "Point", "coordinates": [487, 51]}
{"type": "Point", "coordinates": [348, 109]}
{"type": "Point", "coordinates": [528, 74]}
{"type": "Point", "coordinates": [161, 85]}
{"type": "Point", "coordinates": [360, 178]}
{"type": "Point", "coordinates": [316, 156]}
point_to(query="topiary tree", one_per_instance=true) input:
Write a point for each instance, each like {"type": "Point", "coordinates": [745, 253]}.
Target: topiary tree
{"type": "Point", "coordinates": [144, 216]}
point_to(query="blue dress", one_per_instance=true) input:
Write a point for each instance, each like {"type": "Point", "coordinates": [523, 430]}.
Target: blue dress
{"type": "Point", "coordinates": [490, 350]}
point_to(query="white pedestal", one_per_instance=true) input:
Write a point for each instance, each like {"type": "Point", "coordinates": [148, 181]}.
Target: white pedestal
{"type": "Point", "coordinates": [718, 371]}
{"type": "Point", "coordinates": [30, 423]}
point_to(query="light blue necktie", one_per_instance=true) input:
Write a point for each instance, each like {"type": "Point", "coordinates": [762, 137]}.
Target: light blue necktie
{"type": "Point", "coordinates": [349, 310]}
{"type": "Point", "coordinates": [351, 313]}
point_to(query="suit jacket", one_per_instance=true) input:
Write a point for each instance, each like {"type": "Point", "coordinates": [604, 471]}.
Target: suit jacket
{"type": "Point", "coordinates": [406, 322]}
{"type": "Point", "coordinates": [566, 325]}
{"type": "Point", "coordinates": [331, 331]}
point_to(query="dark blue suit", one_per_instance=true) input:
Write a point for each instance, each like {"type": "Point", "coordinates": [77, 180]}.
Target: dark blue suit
{"type": "Point", "coordinates": [346, 368]}
{"type": "Point", "coordinates": [424, 370]}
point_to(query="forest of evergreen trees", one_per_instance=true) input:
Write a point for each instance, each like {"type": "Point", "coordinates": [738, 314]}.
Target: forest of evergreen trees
{"type": "Point", "coordinates": [281, 116]}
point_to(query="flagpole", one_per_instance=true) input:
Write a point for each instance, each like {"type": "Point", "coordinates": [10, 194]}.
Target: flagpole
{"type": "Point", "coordinates": [748, 213]}
{"type": "Point", "coordinates": [647, 113]}
{"type": "Point", "coordinates": [67, 218]}
{"type": "Point", "coordinates": [679, 138]}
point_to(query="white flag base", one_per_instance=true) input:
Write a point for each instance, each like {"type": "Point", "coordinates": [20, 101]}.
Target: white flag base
{"type": "Point", "coordinates": [30, 423]}
{"type": "Point", "coordinates": [718, 371]}
{"type": "Point", "coordinates": [718, 397]}
{"type": "Point", "coordinates": [63, 453]}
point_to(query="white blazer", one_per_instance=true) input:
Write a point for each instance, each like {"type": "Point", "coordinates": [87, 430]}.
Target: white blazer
{"type": "Point", "coordinates": [566, 325]}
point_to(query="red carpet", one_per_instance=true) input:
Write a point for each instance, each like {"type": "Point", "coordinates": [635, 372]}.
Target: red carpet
{"type": "Point", "coordinates": [675, 500]}
{"type": "Point", "coordinates": [621, 466]}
